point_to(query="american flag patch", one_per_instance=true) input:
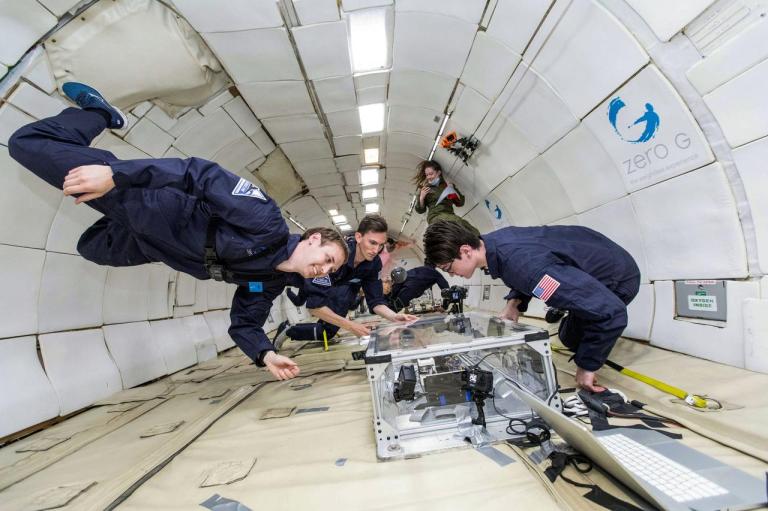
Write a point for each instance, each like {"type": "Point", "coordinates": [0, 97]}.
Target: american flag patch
{"type": "Point", "coordinates": [545, 288]}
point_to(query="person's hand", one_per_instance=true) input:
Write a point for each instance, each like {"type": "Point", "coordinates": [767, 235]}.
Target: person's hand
{"type": "Point", "coordinates": [92, 181]}
{"type": "Point", "coordinates": [423, 193]}
{"type": "Point", "coordinates": [282, 368]}
{"type": "Point", "coordinates": [359, 329]}
{"type": "Point", "coordinates": [511, 311]}
{"type": "Point", "coordinates": [404, 317]}
{"type": "Point", "coordinates": [587, 380]}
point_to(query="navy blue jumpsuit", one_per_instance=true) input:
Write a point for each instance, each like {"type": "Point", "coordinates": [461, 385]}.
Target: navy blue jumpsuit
{"type": "Point", "coordinates": [571, 268]}
{"type": "Point", "coordinates": [159, 211]}
{"type": "Point", "coordinates": [418, 280]}
{"type": "Point", "coordinates": [339, 291]}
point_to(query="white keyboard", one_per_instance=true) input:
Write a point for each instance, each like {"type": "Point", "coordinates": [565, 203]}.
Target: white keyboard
{"type": "Point", "coordinates": [671, 478]}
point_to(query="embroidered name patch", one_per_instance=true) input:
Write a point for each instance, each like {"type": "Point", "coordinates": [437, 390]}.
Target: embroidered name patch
{"type": "Point", "coordinates": [545, 288]}
{"type": "Point", "coordinates": [245, 188]}
{"type": "Point", "coordinates": [323, 281]}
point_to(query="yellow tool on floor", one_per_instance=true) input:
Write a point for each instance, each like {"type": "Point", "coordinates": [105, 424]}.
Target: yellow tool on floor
{"type": "Point", "coordinates": [690, 399]}
{"type": "Point", "coordinates": [325, 340]}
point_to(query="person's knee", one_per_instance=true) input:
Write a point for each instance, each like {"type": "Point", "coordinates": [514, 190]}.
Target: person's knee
{"type": "Point", "coordinates": [18, 143]}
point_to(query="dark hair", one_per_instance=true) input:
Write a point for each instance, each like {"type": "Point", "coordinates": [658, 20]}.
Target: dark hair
{"type": "Point", "coordinates": [328, 236]}
{"type": "Point", "coordinates": [372, 223]}
{"type": "Point", "coordinates": [443, 238]}
{"type": "Point", "coordinates": [421, 172]}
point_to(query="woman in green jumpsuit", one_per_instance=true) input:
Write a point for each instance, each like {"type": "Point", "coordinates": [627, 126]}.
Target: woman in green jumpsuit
{"type": "Point", "coordinates": [429, 179]}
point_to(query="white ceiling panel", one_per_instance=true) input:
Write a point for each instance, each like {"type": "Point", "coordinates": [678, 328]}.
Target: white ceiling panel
{"type": "Point", "coordinates": [125, 294]}
{"type": "Point", "coordinates": [503, 151]}
{"type": "Point", "coordinates": [417, 145]}
{"type": "Point", "coordinates": [219, 323]}
{"type": "Point", "coordinates": [344, 123]}
{"type": "Point", "coordinates": [308, 167]}
{"type": "Point", "coordinates": [147, 136]}
{"type": "Point", "coordinates": [68, 225]}
{"type": "Point", "coordinates": [466, 10]}
{"type": "Point", "coordinates": [411, 119]}
{"type": "Point", "coordinates": [348, 163]}
{"type": "Point", "coordinates": [489, 66]}
{"type": "Point", "coordinates": [515, 22]}
{"type": "Point", "coordinates": [403, 160]}
{"type": "Point", "coordinates": [351, 5]}
{"type": "Point", "coordinates": [591, 44]}
{"type": "Point", "coordinates": [431, 42]}
{"type": "Point", "coordinates": [372, 79]}
{"type": "Point", "coordinates": [348, 145]}
{"type": "Point", "coordinates": [293, 128]}
{"type": "Point", "coordinates": [173, 341]}
{"type": "Point", "coordinates": [262, 141]}
{"type": "Point", "coordinates": [59, 7]}
{"type": "Point", "coordinates": [20, 271]}
{"type": "Point", "coordinates": [585, 169]}
{"type": "Point", "coordinates": [352, 177]}
{"type": "Point", "coordinates": [317, 181]}
{"type": "Point", "coordinates": [539, 183]}
{"type": "Point", "coordinates": [687, 216]}
{"type": "Point", "coordinates": [517, 205]}
{"type": "Point", "coordinates": [618, 221]}
{"type": "Point", "coordinates": [81, 282]}
{"type": "Point", "coordinates": [327, 191]}
{"type": "Point", "coordinates": [40, 73]}
{"type": "Point", "coordinates": [324, 49]}
{"type": "Point", "coordinates": [210, 135]}
{"type": "Point", "coordinates": [529, 101]}
{"type": "Point", "coordinates": [731, 59]}
{"type": "Point", "coordinates": [22, 24]}
{"type": "Point", "coordinates": [469, 112]}
{"type": "Point", "coordinates": [666, 19]}
{"type": "Point", "coordinates": [371, 95]}
{"type": "Point", "coordinates": [274, 58]}
{"type": "Point", "coordinates": [306, 150]}
{"type": "Point", "coordinates": [207, 16]}
{"type": "Point", "coordinates": [654, 136]}
{"type": "Point", "coordinates": [239, 111]}
{"type": "Point", "coordinates": [741, 107]}
{"type": "Point", "coordinates": [25, 196]}
{"type": "Point", "coordinates": [336, 94]}
{"type": "Point", "coordinates": [215, 102]}
{"type": "Point", "coordinates": [270, 99]}
{"type": "Point", "coordinates": [11, 119]}
{"type": "Point", "coordinates": [35, 102]}
{"type": "Point", "coordinates": [420, 88]}
{"type": "Point", "coordinates": [238, 154]}
{"type": "Point", "coordinates": [750, 160]}
{"type": "Point", "coordinates": [316, 11]}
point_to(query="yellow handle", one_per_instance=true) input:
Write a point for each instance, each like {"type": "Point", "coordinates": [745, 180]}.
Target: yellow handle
{"type": "Point", "coordinates": [692, 400]}
{"type": "Point", "coordinates": [325, 339]}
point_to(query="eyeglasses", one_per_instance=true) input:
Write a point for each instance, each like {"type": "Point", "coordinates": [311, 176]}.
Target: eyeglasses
{"type": "Point", "coordinates": [447, 269]}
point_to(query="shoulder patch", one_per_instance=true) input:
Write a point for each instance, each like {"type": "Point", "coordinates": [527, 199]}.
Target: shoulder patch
{"type": "Point", "coordinates": [545, 288]}
{"type": "Point", "coordinates": [322, 281]}
{"type": "Point", "coordinates": [245, 188]}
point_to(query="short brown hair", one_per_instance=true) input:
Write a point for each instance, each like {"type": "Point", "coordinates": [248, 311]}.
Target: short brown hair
{"type": "Point", "coordinates": [442, 240]}
{"type": "Point", "coordinates": [328, 236]}
{"type": "Point", "coordinates": [420, 179]}
{"type": "Point", "coordinates": [372, 223]}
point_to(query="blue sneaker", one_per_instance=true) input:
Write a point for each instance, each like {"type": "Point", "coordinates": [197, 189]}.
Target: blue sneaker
{"type": "Point", "coordinates": [88, 97]}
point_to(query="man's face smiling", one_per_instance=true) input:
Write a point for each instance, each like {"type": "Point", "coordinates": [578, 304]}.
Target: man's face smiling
{"type": "Point", "coordinates": [369, 245]}
{"type": "Point", "coordinates": [320, 260]}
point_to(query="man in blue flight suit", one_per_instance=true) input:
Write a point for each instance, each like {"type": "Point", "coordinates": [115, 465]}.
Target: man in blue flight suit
{"type": "Point", "coordinates": [416, 282]}
{"type": "Point", "coordinates": [190, 214]}
{"type": "Point", "coordinates": [570, 268]}
{"type": "Point", "coordinates": [330, 305]}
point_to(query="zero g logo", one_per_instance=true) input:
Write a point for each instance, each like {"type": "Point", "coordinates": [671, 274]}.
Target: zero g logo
{"type": "Point", "coordinates": [648, 120]}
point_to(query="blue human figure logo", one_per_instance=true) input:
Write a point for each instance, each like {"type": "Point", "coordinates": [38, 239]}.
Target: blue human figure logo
{"type": "Point", "coordinates": [649, 117]}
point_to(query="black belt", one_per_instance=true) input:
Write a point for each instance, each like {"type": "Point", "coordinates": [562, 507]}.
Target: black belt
{"type": "Point", "coordinates": [217, 269]}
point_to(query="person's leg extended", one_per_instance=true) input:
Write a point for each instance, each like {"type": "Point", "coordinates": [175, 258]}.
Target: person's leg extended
{"type": "Point", "coordinates": [311, 331]}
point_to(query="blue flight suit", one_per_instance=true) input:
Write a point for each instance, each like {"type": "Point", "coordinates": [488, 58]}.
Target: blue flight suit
{"type": "Point", "coordinates": [418, 280]}
{"type": "Point", "coordinates": [575, 269]}
{"type": "Point", "coordinates": [338, 291]}
{"type": "Point", "coordinates": [159, 211]}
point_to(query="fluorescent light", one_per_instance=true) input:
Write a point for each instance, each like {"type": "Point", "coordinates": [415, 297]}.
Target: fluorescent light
{"type": "Point", "coordinates": [369, 176]}
{"type": "Point", "coordinates": [345, 227]}
{"type": "Point", "coordinates": [371, 117]}
{"type": "Point", "coordinates": [333, 212]}
{"type": "Point", "coordinates": [373, 207]}
{"type": "Point", "coordinates": [372, 155]}
{"type": "Point", "coordinates": [339, 219]}
{"type": "Point", "coordinates": [368, 36]}
{"type": "Point", "coordinates": [439, 134]}
{"type": "Point", "coordinates": [369, 193]}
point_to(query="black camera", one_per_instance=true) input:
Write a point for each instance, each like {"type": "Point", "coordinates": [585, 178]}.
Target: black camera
{"type": "Point", "coordinates": [454, 295]}
{"type": "Point", "coordinates": [477, 381]}
{"type": "Point", "coordinates": [405, 385]}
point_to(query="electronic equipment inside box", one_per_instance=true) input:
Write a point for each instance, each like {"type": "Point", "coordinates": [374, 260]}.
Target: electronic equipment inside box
{"type": "Point", "coordinates": [445, 380]}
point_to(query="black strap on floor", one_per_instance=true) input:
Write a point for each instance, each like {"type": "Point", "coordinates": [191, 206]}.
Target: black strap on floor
{"type": "Point", "coordinates": [600, 403]}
